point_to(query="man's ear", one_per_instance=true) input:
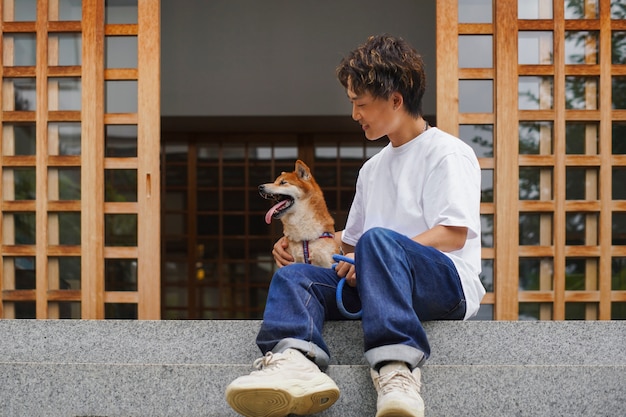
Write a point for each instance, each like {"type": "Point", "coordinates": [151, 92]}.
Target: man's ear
{"type": "Point", "coordinates": [397, 100]}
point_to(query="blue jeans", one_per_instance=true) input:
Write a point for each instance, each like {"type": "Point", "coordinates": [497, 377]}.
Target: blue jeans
{"type": "Point", "coordinates": [400, 284]}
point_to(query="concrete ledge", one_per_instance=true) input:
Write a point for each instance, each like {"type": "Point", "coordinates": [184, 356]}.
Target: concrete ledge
{"type": "Point", "coordinates": [181, 368]}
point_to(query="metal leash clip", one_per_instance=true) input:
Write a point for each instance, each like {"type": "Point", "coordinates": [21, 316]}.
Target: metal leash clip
{"type": "Point", "coordinates": [340, 285]}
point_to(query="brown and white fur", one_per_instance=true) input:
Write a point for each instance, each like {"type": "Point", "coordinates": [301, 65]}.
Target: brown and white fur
{"type": "Point", "coordinates": [301, 207]}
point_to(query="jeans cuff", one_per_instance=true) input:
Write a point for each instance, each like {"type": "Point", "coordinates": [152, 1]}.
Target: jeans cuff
{"type": "Point", "coordinates": [403, 353]}
{"type": "Point", "coordinates": [310, 350]}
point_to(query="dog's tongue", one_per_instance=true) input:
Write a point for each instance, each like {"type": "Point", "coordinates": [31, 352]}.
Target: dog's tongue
{"type": "Point", "coordinates": [274, 209]}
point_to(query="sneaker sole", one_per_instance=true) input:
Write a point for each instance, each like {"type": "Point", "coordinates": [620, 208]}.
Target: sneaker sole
{"type": "Point", "coordinates": [267, 402]}
{"type": "Point", "coordinates": [399, 412]}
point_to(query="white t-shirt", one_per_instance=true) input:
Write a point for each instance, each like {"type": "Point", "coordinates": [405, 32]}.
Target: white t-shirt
{"type": "Point", "coordinates": [432, 180]}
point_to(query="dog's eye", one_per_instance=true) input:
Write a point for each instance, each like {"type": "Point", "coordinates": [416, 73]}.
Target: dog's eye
{"type": "Point", "coordinates": [283, 182]}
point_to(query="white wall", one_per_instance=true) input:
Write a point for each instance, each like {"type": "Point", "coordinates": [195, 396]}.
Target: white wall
{"type": "Point", "coordinates": [277, 57]}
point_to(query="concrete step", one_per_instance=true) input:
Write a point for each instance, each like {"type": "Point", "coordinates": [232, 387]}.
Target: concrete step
{"type": "Point", "coordinates": [181, 368]}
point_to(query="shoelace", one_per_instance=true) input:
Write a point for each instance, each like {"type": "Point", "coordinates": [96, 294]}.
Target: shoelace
{"type": "Point", "coordinates": [398, 381]}
{"type": "Point", "coordinates": [265, 362]}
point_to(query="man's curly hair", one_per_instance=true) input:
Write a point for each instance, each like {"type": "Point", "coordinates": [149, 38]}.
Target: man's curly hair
{"type": "Point", "coordinates": [385, 64]}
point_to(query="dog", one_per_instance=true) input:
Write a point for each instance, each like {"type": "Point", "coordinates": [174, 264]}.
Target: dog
{"type": "Point", "coordinates": [301, 207]}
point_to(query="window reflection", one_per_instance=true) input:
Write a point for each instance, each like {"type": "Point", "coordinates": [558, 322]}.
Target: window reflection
{"type": "Point", "coordinates": [476, 51]}
{"type": "Point", "coordinates": [535, 138]}
{"type": "Point", "coordinates": [479, 137]}
{"type": "Point", "coordinates": [535, 93]}
{"type": "Point", "coordinates": [581, 47]}
{"type": "Point", "coordinates": [535, 48]}
{"type": "Point", "coordinates": [581, 138]}
{"type": "Point", "coordinates": [581, 9]}
{"type": "Point", "coordinates": [20, 49]}
{"type": "Point", "coordinates": [476, 96]}
{"type": "Point", "coordinates": [534, 9]}
{"type": "Point", "coordinates": [475, 11]}
{"type": "Point", "coordinates": [581, 93]}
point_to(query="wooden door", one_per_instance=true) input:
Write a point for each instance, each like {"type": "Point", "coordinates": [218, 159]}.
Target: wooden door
{"type": "Point", "coordinates": [80, 142]}
{"type": "Point", "coordinates": [537, 88]}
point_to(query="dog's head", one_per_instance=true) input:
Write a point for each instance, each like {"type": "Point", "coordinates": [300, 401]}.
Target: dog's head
{"type": "Point", "coordinates": [287, 190]}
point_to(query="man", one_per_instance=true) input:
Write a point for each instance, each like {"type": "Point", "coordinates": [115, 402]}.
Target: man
{"type": "Point", "coordinates": [414, 233]}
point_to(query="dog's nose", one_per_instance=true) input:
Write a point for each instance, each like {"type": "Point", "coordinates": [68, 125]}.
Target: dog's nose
{"type": "Point", "coordinates": [261, 187]}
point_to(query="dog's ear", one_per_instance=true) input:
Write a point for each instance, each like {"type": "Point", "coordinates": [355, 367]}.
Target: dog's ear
{"type": "Point", "coordinates": [302, 170]}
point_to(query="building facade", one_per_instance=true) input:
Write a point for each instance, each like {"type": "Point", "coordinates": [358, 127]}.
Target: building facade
{"type": "Point", "coordinates": [110, 210]}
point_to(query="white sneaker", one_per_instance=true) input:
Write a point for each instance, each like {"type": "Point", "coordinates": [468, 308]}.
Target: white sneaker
{"type": "Point", "coordinates": [285, 383]}
{"type": "Point", "coordinates": [398, 391]}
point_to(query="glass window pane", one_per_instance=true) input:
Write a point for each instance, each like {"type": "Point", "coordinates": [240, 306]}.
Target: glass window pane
{"type": "Point", "coordinates": [618, 47]}
{"type": "Point", "coordinates": [120, 229]}
{"type": "Point", "coordinates": [120, 311]}
{"type": "Point", "coordinates": [475, 11]}
{"type": "Point", "coordinates": [581, 93]}
{"type": "Point", "coordinates": [69, 49]}
{"type": "Point", "coordinates": [581, 138]}
{"type": "Point", "coordinates": [486, 230]}
{"type": "Point", "coordinates": [618, 141]}
{"type": "Point", "coordinates": [535, 48]}
{"type": "Point", "coordinates": [581, 311]}
{"type": "Point", "coordinates": [475, 51]}
{"type": "Point", "coordinates": [581, 274]}
{"type": "Point", "coordinates": [476, 96]}
{"type": "Point", "coordinates": [23, 11]}
{"type": "Point", "coordinates": [619, 92]}
{"type": "Point", "coordinates": [19, 184]}
{"type": "Point", "coordinates": [535, 138]}
{"type": "Point", "coordinates": [486, 274]}
{"type": "Point", "coordinates": [120, 11]}
{"type": "Point", "coordinates": [120, 185]}
{"type": "Point", "coordinates": [581, 229]}
{"type": "Point", "coordinates": [535, 311]}
{"type": "Point", "coordinates": [618, 274]}
{"type": "Point", "coordinates": [18, 139]}
{"type": "Point", "coordinates": [619, 228]}
{"type": "Point", "coordinates": [69, 10]}
{"type": "Point", "coordinates": [120, 275]}
{"type": "Point", "coordinates": [535, 93]}
{"type": "Point", "coordinates": [64, 183]}
{"type": "Point", "coordinates": [479, 137]}
{"type": "Point", "coordinates": [619, 183]}
{"type": "Point", "coordinates": [534, 9]}
{"type": "Point", "coordinates": [19, 228]}
{"type": "Point", "coordinates": [66, 270]}
{"type": "Point", "coordinates": [64, 94]}
{"type": "Point", "coordinates": [120, 52]}
{"type": "Point", "coordinates": [536, 274]}
{"type": "Point", "coordinates": [581, 47]}
{"type": "Point", "coordinates": [486, 186]}
{"type": "Point", "coordinates": [121, 96]}
{"type": "Point", "coordinates": [121, 141]}
{"type": "Point", "coordinates": [618, 9]}
{"type": "Point", "coordinates": [581, 183]}
{"type": "Point", "coordinates": [20, 50]}
{"type": "Point", "coordinates": [535, 229]}
{"type": "Point", "coordinates": [64, 138]}
{"type": "Point", "coordinates": [64, 228]}
{"type": "Point", "coordinates": [581, 9]}
{"type": "Point", "coordinates": [19, 94]}
{"type": "Point", "coordinates": [18, 273]}
{"type": "Point", "coordinates": [535, 183]}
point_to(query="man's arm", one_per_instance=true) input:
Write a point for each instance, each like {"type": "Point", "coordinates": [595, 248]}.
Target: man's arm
{"type": "Point", "coordinates": [444, 238]}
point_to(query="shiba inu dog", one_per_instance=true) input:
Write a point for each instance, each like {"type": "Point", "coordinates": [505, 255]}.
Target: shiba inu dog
{"type": "Point", "coordinates": [300, 206]}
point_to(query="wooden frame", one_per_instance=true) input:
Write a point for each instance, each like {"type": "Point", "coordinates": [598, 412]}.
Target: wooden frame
{"type": "Point", "coordinates": [551, 206]}
{"type": "Point", "coordinates": [92, 162]}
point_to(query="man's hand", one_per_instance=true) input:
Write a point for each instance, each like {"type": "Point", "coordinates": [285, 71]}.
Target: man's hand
{"type": "Point", "coordinates": [282, 257]}
{"type": "Point", "coordinates": [346, 270]}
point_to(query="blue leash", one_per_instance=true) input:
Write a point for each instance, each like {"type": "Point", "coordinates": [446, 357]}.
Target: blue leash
{"type": "Point", "coordinates": [340, 286]}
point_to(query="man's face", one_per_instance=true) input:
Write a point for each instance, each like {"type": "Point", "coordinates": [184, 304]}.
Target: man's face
{"type": "Point", "coordinates": [375, 115]}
